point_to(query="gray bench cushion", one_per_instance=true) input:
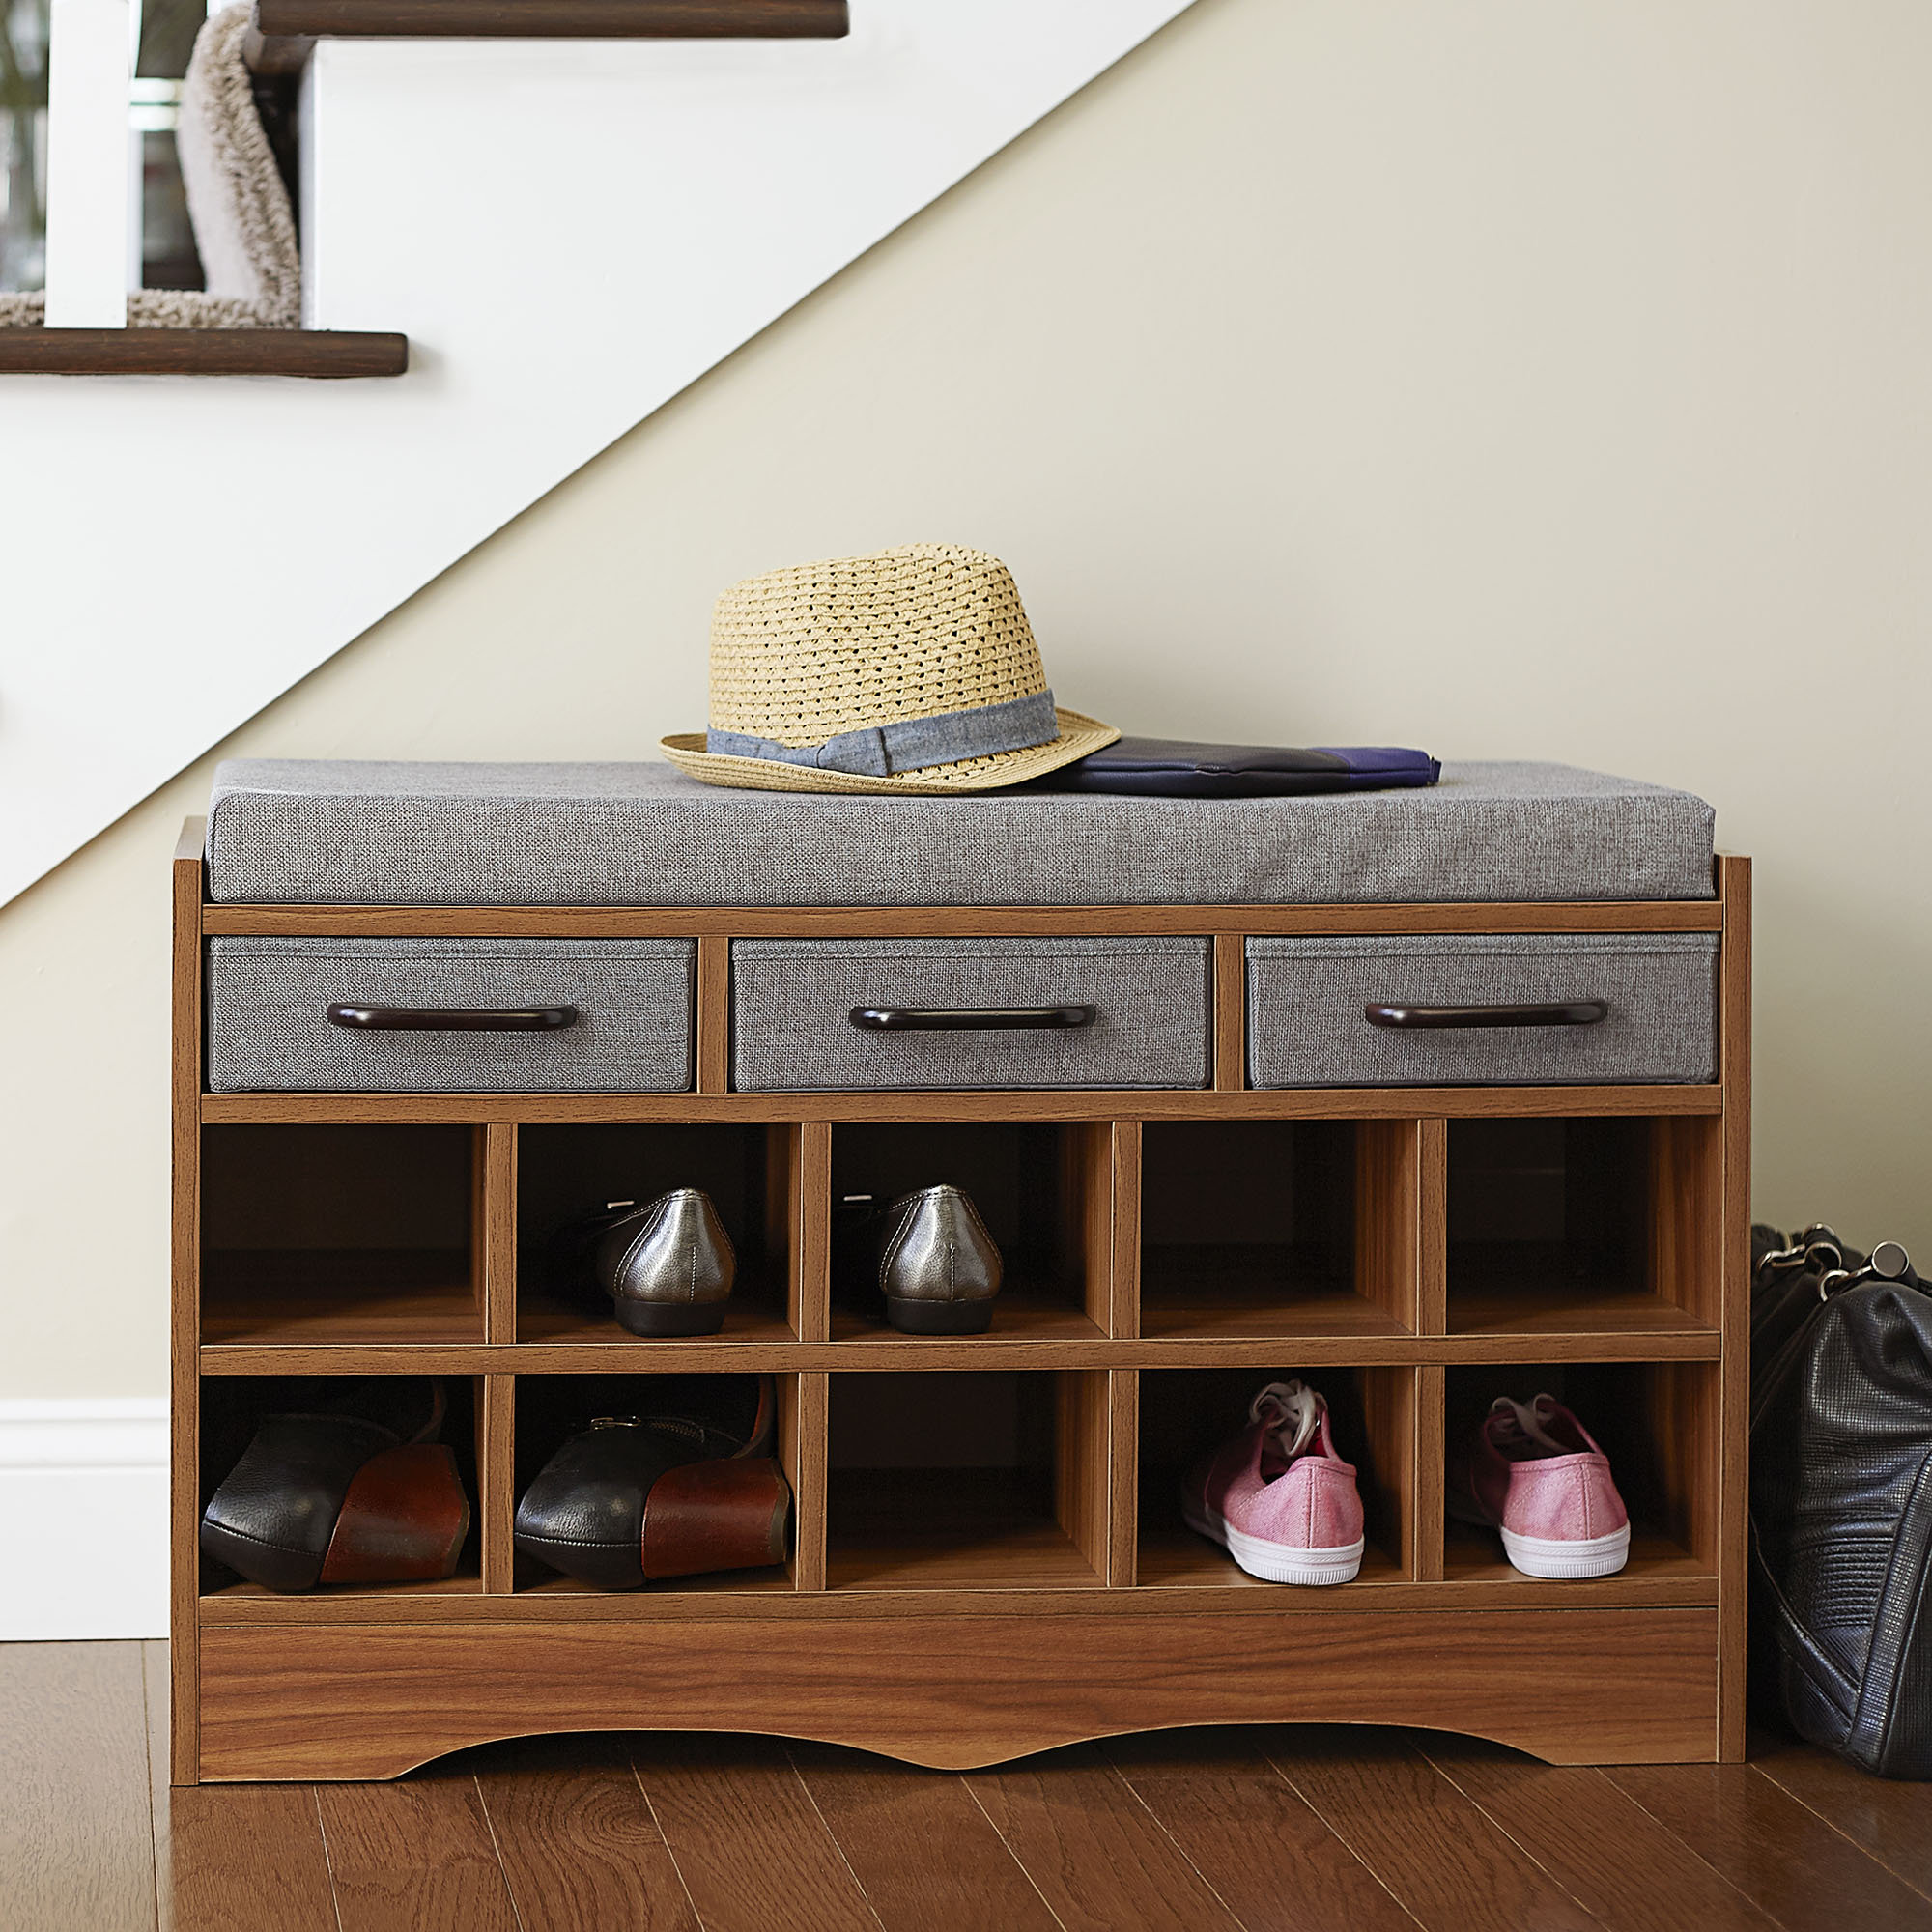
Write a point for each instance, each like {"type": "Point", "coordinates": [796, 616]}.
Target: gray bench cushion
{"type": "Point", "coordinates": [296, 832]}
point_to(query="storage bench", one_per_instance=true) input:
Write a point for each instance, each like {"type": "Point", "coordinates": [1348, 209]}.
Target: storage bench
{"type": "Point", "coordinates": [1221, 1171]}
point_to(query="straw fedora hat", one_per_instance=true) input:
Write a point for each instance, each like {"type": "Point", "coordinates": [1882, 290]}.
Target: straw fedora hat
{"type": "Point", "coordinates": [910, 671]}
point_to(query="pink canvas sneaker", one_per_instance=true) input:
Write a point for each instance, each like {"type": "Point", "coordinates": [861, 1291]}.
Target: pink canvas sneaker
{"type": "Point", "coordinates": [1534, 1472]}
{"type": "Point", "coordinates": [1277, 1497]}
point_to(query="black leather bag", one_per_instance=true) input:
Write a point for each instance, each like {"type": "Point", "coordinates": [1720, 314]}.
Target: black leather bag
{"type": "Point", "coordinates": [1841, 1496]}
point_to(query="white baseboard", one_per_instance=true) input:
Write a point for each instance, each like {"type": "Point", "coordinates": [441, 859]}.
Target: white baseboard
{"type": "Point", "coordinates": [83, 1518]}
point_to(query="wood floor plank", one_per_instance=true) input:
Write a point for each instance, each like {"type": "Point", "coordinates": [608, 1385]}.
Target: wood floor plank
{"type": "Point", "coordinates": [249, 1854]}
{"type": "Point", "coordinates": [577, 1840]}
{"type": "Point", "coordinates": [1596, 1842]}
{"type": "Point", "coordinates": [920, 1847]}
{"type": "Point", "coordinates": [712, 1797]}
{"type": "Point", "coordinates": [1093, 1849]}
{"type": "Point", "coordinates": [159, 1708]}
{"type": "Point", "coordinates": [1252, 1837]}
{"type": "Point", "coordinates": [1429, 1844]}
{"type": "Point", "coordinates": [1885, 1817]}
{"type": "Point", "coordinates": [76, 1848]}
{"type": "Point", "coordinates": [1781, 1856]}
{"type": "Point", "coordinates": [414, 1856]}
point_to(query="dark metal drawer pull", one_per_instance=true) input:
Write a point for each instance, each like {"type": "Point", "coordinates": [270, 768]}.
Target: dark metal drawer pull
{"type": "Point", "coordinates": [970, 1019]}
{"type": "Point", "coordinates": [452, 1019]}
{"type": "Point", "coordinates": [1561, 1013]}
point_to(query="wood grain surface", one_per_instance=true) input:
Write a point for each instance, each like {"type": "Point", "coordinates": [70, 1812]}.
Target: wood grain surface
{"type": "Point", "coordinates": [922, 1850]}
{"type": "Point", "coordinates": [186, 884]}
{"type": "Point", "coordinates": [712, 1798]}
{"type": "Point", "coordinates": [1288, 1827]}
{"type": "Point", "coordinates": [557, 19]}
{"type": "Point", "coordinates": [1074, 1823]}
{"type": "Point", "coordinates": [1257, 1842]}
{"type": "Point", "coordinates": [75, 1791]}
{"type": "Point", "coordinates": [953, 922]}
{"type": "Point", "coordinates": [1604, 1848]}
{"type": "Point", "coordinates": [1450, 1867]}
{"type": "Point", "coordinates": [1733, 1023]}
{"type": "Point", "coordinates": [1043, 1619]}
{"type": "Point", "coordinates": [579, 1844]}
{"type": "Point", "coordinates": [202, 352]}
{"type": "Point", "coordinates": [1888, 1819]}
{"type": "Point", "coordinates": [364, 1701]}
{"type": "Point", "coordinates": [1782, 1856]}
{"type": "Point", "coordinates": [417, 1857]}
{"type": "Point", "coordinates": [1284, 1103]}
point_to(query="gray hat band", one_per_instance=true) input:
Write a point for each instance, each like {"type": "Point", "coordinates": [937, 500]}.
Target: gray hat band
{"type": "Point", "coordinates": [912, 744]}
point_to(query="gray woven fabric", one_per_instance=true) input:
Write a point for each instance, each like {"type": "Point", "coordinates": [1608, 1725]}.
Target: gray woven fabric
{"type": "Point", "coordinates": [290, 832]}
{"type": "Point", "coordinates": [792, 999]}
{"type": "Point", "coordinates": [267, 1030]}
{"type": "Point", "coordinates": [1306, 1025]}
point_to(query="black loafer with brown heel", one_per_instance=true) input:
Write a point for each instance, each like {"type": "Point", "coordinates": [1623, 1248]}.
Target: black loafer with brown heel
{"type": "Point", "coordinates": [632, 1499]}
{"type": "Point", "coordinates": [352, 1488]}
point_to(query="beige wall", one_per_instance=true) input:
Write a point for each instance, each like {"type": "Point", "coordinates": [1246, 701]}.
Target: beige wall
{"type": "Point", "coordinates": [1514, 379]}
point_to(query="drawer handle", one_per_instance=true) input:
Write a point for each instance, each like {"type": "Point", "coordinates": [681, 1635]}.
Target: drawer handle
{"type": "Point", "coordinates": [1559, 1012]}
{"type": "Point", "coordinates": [452, 1019]}
{"type": "Point", "coordinates": [970, 1019]}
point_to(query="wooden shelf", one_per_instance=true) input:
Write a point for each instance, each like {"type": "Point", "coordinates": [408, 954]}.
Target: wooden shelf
{"type": "Point", "coordinates": [321, 352]}
{"type": "Point", "coordinates": [1021, 1313]}
{"type": "Point", "coordinates": [1530, 1305]}
{"type": "Point", "coordinates": [558, 20]}
{"type": "Point", "coordinates": [945, 1529]}
{"type": "Point", "coordinates": [317, 1605]}
{"type": "Point", "coordinates": [1173, 1558]}
{"type": "Point", "coordinates": [549, 1588]}
{"type": "Point", "coordinates": [338, 1297]}
{"type": "Point", "coordinates": [1223, 1293]}
{"type": "Point", "coordinates": [1304, 1103]}
{"type": "Point", "coordinates": [749, 1322]}
{"type": "Point", "coordinates": [1474, 1555]}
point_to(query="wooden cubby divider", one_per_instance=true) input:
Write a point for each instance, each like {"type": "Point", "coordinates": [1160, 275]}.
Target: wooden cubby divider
{"type": "Point", "coordinates": [1169, 1251]}
{"type": "Point", "coordinates": [496, 1480]}
{"type": "Point", "coordinates": [802, 1431]}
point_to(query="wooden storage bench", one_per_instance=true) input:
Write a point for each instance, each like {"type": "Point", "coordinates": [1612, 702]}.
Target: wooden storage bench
{"type": "Point", "coordinates": [988, 1555]}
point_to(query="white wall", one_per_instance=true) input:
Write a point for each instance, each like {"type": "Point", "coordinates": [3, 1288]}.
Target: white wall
{"type": "Point", "coordinates": [1513, 380]}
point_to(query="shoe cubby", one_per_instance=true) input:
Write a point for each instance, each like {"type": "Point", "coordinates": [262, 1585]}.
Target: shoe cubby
{"type": "Point", "coordinates": [234, 1407]}
{"type": "Point", "coordinates": [566, 1172]}
{"type": "Point", "coordinates": [1044, 1192]}
{"type": "Point", "coordinates": [318, 1235]}
{"type": "Point", "coordinates": [1658, 1423]}
{"type": "Point", "coordinates": [944, 1480]}
{"type": "Point", "coordinates": [550, 1410]}
{"type": "Point", "coordinates": [1262, 1230]}
{"type": "Point", "coordinates": [1188, 1413]}
{"type": "Point", "coordinates": [1582, 1225]}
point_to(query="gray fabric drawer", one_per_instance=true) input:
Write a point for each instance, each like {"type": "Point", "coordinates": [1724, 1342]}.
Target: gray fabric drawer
{"type": "Point", "coordinates": [1307, 1026]}
{"type": "Point", "coordinates": [792, 1000]}
{"type": "Point", "coordinates": [267, 1029]}
{"type": "Point", "coordinates": [335, 833]}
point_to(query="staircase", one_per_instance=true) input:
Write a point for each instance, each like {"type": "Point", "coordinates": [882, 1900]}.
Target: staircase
{"type": "Point", "coordinates": [568, 232]}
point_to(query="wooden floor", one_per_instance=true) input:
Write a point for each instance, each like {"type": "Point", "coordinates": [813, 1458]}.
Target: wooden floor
{"type": "Point", "coordinates": [1277, 1826]}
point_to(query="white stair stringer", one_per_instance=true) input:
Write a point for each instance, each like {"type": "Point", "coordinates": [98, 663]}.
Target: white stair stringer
{"type": "Point", "coordinates": [570, 232]}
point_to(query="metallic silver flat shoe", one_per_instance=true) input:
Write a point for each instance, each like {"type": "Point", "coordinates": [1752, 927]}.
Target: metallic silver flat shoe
{"type": "Point", "coordinates": [667, 1264]}
{"type": "Point", "coordinates": [930, 1259]}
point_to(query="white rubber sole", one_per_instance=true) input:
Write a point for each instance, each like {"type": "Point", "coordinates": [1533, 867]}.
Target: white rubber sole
{"type": "Point", "coordinates": [1563, 1559]}
{"type": "Point", "coordinates": [1276, 1562]}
